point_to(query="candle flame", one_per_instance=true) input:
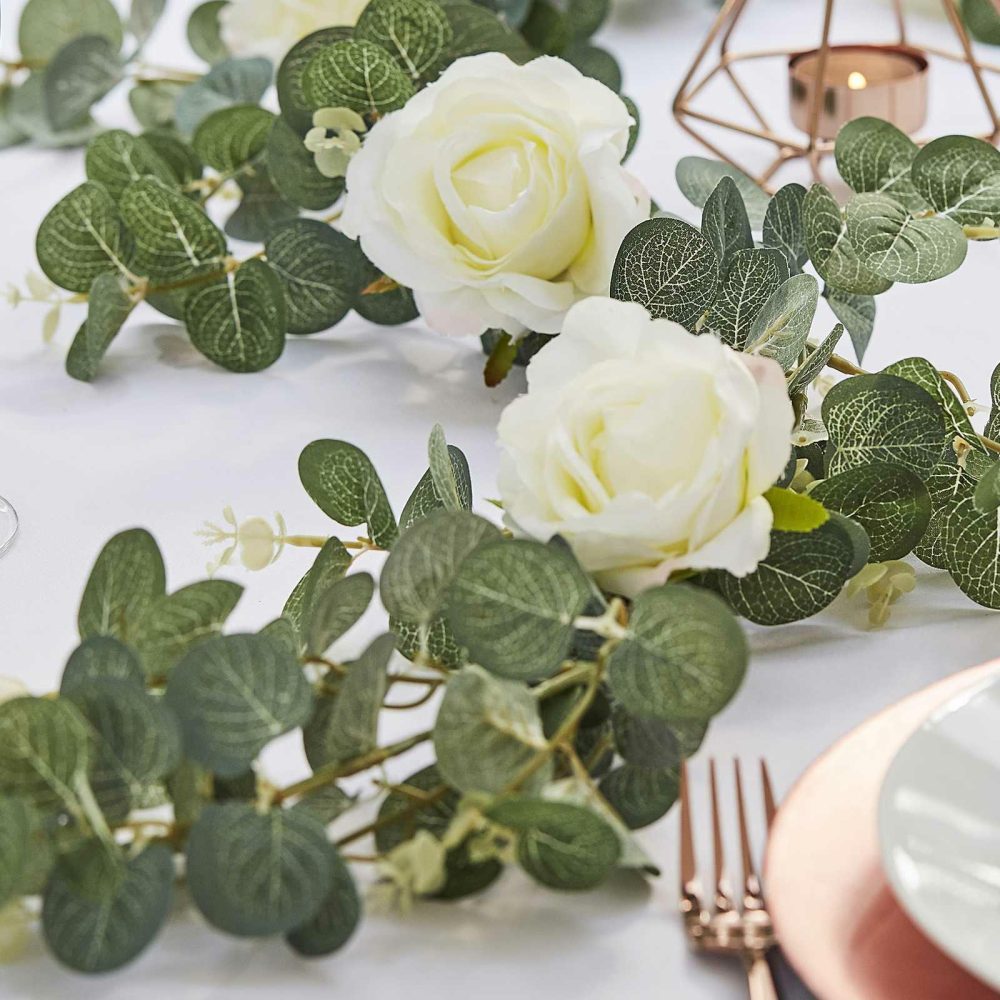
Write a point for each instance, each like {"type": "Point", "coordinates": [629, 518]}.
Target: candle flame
{"type": "Point", "coordinates": [857, 81]}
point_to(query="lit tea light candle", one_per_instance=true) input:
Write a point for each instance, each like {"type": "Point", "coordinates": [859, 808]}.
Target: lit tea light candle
{"type": "Point", "coordinates": [883, 81]}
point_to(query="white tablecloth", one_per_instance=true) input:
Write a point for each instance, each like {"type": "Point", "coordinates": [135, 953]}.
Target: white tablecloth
{"type": "Point", "coordinates": [163, 439]}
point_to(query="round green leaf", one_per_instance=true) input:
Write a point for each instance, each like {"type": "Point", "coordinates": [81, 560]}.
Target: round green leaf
{"type": "Point", "coordinates": [294, 173]}
{"type": "Point", "coordinates": [44, 750]}
{"type": "Point", "coordinates": [889, 502]}
{"type": "Point", "coordinates": [318, 268]}
{"type": "Point", "coordinates": [560, 845]}
{"type": "Point", "coordinates": [415, 32]}
{"type": "Point", "coordinates": [960, 177]}
{"type": "Point", "coordinates": [830, 249]}
{"type": "Point", "coordinates": [47, 25]}
{"type": "Point", "coordinates": [640, 795]}
{"type": "Point", "coordinates": [205, 34]}
{"type": "Point", "coordinates": [899, 247]}
{"type": "Point", "coordinates": [391, 308]}
{"type": "Point", "coordinates": [425, 560]}
{"type": "Point", "coordinates": [233, 695]}
{"type": "Point", "coordinates": [337, 918]}
{"type": "Point", "coordinates": [698, 177]}
{"type": "Point", "coordinates": [101, 658]}
{"type": "Point", "coordinates": [177, 154]}
{"type": "Point", "coordinates": [240, 321]}
{"type": "Point", "coordinates": [487, 731]}
{"type": "Point", "coordinates": [358, 75]}
{"type": "Point", "coordinates": [513, 605]}
{"type": "Point", "coordinates": [971, 546]}
{"type": "Point", "coordinates": [127, 577]}
{"type": "Point", "coordinates": [295, 108]}
{"type": "Point", "coordinates": [330, 566]}
{"type": "Point", "coordinates": [79, 75]}
{"type": "Point", "coordinates": [724, 222]}
{"type": "Point", "coordinates": [982, 19]}
{"type": "Point", "coordinates": [875, 156]}
{"type": "Point", "coordinates": [781, 328]}
{"type": "Point", "coordinates": [344, 484]}
{"type": "Point", "coordinates": [882, 418]}
{"type": "Point", "coordinates": [103, 934]}
{"type": "Point", "coordinates": [231, 137]}
{"type": "Point", "coordinates": [752, 278]}
{"type": "Point", "coordinates": [425, 497]}
{"type": "Point", "coordinates": [110, 305]}
{"type": "Point", "coordinates": [802, 574]}
{"type": "Point", "coordinates": [232, 81]}
{"type": "Point", "coordinates": [684, 655]}
{"type": "Point", "coordinates": [669, 268]}
{"type": "Point", "coordinates": [649, 742]}
{"type": "Point", "coordinates": [857, 313]}
{"type": "Point", "coordinates": [83, 238]}
{"type": "Point", "coordinates": [783, 229]}
{"type": "Point", "coordinates": [595, 62]}
{"type": "Point", "coordinates": [116, 159]}
{"type": "Point", "coordinates": [174, 237]}
{"type": "Point", "coordinates": [255, 874]}
{"type": "Point", "coordinates": [334, 611]}
{"type": "Point", "coordinates": [948, 484]}
{"type": "Point", "coordinates": [19, 823]}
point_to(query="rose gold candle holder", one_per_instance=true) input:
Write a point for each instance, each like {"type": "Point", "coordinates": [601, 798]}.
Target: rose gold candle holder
{"type": "Point", "coordinates": [829, 85]}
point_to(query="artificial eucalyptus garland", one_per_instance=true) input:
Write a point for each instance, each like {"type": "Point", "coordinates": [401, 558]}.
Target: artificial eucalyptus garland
{"type": "Point", "coordinates": [562, 721]}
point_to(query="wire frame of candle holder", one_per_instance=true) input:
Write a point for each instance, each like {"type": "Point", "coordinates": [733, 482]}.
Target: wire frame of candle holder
{"type": "Point", "coordinates": [716, 59]}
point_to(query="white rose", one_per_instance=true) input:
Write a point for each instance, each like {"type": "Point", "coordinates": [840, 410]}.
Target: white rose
{"type": "Point", "coordinates": [497, 194]}
{"type": "Point", "coordinates": [271, 27]}
{"type": "Point", "coordinates": [646, 447]}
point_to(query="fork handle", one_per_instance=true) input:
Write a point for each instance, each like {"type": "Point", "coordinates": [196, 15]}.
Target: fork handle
{"type": "Point", "coordinates": [759, 978]}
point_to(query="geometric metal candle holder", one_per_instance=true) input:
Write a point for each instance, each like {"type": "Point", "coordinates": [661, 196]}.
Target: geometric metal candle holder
{"type": "Point", "coordinates": [716, 59]}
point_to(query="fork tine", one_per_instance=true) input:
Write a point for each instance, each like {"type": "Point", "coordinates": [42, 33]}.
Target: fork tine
{"type": "Point", "coordinates": [751, 883]}
{"type": "Point", "coordinates": [723, 901]}
{"type": "Point", "coordinates": [690, 902]}
{"type": "Point", "coordinates": [770, 808]}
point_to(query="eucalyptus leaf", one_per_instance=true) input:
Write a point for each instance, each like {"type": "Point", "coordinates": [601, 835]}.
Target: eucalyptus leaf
{"type": "Point", "coordinates": [669, 268]}
{"type": "Point", "coordinates": [815, 362]}
{"type": "Point", "coordinates": [561, 845]}
{"type": "Point", "coordinates": [337, 609]}
{"type": "Point", "coordinates": [698, 177]}
{"type": "Point", "coordinates": [355, 74]}
{"type": "Point", "coordinates": [337, 918]}
{"type": "Point", "coordinates": [971, 546]}
{"type": "Point", "coordinates": [683, 656]}
{"type": "Point", "coordinates": [475, 30]}
{"type": "Point", "coordinates": [171, 625]}
{"type": "Point", "coordinates": [595, 62]}
{"type": "Point", "coordinates": [263, 209]}
{"type": "Point", "coordinates": [882, 418]}
{"type": "Point", "coordinates": [116, 159]}
{"type": "Point", "coordinates": [487, 731]}
{"type": "Point", "coordinates": [318, 268]}
{"type": "Point", "coordinates": [874, 156]}
{"type": "Point", "coordinates": [294, 173]}
{"type": "Point", "coordinates": [753, 277]}
{"type": "Point", "coordinates": [102, 658]}
{"type": "Point", "coordinates": [233, 695]}
{"type": "Point", "coordinates": [987, 495]}
{"type": "Point", "coordinates": [425, 497]}
{"type": "Point", "coordinates": [640, 795]}
{"type": "Point", "coordinates": [343, 483]}
{"type": "Point", "coordinates": [330, 566]}
{"type": "Point", "coordinates": [27, 116]}
{"type": "Point", "coordinates": [725, 223]}
{"type": "Point", "coordinates": [386, 308]}
{"type": "Point", "coordinates": [781, 328]}
{"type": "Point", "coordinates": [801, 575]}
{"type": "Point", "coordinates": [255, 874]}
{"type": "Point", "coordinates": [649, 742]}
{"type": "Point", "coordinates": [109, 306]}
{"type": "Point", "coordinates": [296, 109]}
{"type": "Point", "coordinates": [415, 32]}
{"type": "Point", "coordinates": [240, 321]}
{"type": "Point", "coordinates": [783, 228]}
{"type": "Point", "coordinates": [81, 73]}
{"type": "Point", "coordinates": [47, 25]}
{"type": "Point", "coordinates": [347, 726]}
{"type": "Point", "coordinates": [173, 236]}
{"type": "Point", "coordinates": [154, 103]}
{"type": "Point", "coordinates": [83, 238]}
{"type": "Point", "coordinates": [960, 177]}
{"type": "Point", "coordinates": [127, 577]}
{"type": "Point", "coordinates": [19, 823]}
{"type": "Point", "coordinates": [832, 251]}
{"type": "Point", "coordinates": [948, 485]}
{"type": "Point", "coordinates": [891, 503]}
{"type": "Point", "coordinates": [101, 935]}
{"type": "Point", "coordinates": [993, 423]}
{"type": "Point", "coordinates": [513, 604]}
{"type": "Point", "coordinates": [144, 16]}
{"type": "Point", "coordinates": [229, 82]}
{"type": "Point", "coordinates": [177, 154]}
{"type": "Point", "coordinates": [425, 561]}
{"type": "Point", "coordinates": [982, 19]}
{"type": "Point", "coordinates": [229, 138]}
{"type": "Point", "coordinates": [44, 750]}
{"type": "Point", "coordinates": [857, 313]}
{"type": "Point", "coordinates": [435, 640]}
{"type": "Point", "coordinates": [897, 246]}
{"type": "Point", "coordinates": [204, 32]}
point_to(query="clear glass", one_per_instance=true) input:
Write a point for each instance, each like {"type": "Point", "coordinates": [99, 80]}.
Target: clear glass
{"type": "Point", "coordinates": [8, 525]}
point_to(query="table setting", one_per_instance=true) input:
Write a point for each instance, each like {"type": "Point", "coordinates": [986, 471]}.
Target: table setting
{"type": "Point", "coordinates": [503, 496]}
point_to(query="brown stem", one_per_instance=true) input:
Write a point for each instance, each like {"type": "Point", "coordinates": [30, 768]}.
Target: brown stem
{"type": "Point", "coordinates": [332, 772]}
{"type": "Point", "coordinates": [432, 797]}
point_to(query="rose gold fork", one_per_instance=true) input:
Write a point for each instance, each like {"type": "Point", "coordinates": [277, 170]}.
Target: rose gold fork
{"type": "Point", "coordinates": [739, 928]}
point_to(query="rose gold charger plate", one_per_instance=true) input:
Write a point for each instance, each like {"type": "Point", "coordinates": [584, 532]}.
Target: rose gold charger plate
{"type": "Point", "coordinates": [837, 919]}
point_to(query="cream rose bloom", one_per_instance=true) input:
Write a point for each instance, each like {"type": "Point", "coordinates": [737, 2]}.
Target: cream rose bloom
{"type": "Point", "coordinates": [497, 194]}
{"type": "Point", "coordinates": [271, 27]}
{"type": "Point", "coordinates": [646, 447]}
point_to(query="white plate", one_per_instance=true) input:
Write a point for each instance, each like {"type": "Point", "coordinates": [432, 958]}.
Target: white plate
{"type": "Point", "coordinates": [939, 829]}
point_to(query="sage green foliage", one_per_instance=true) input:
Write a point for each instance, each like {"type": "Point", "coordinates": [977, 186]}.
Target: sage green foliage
{"type": "Point", "coordinates": [533, 676]}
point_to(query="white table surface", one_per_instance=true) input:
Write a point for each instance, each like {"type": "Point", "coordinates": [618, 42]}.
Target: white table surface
{"type": "Point", "coordinates": [163, 439]}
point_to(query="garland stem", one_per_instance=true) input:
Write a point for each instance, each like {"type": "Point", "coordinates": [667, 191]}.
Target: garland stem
{"type": "Point", "coordinates": [431, 798]}
{"type": "Point", "coordinates": [329, 774]}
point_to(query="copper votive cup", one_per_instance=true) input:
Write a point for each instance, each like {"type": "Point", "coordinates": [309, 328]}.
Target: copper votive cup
{"type": "Point", "coordinates": [881, 81]}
